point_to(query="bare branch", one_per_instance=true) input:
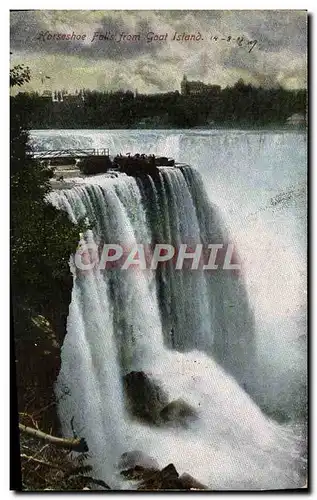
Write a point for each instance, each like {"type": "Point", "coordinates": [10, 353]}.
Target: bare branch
{"type": "Point", "coordinates": [40, 462]}
{"type": "Point", "coordinates": [74, 444]}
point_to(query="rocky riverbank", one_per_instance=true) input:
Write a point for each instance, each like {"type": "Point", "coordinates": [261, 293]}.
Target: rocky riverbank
{"type": "Point", "coordinates": [147, 476]}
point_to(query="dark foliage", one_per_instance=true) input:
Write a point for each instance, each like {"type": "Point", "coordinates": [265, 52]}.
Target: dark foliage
{"type": "Point", "coordinates": [42, 237]}
{"type": "Point", "coordinates": [19, 75]}
{"type": "Point", "coordinates": [242, 105]}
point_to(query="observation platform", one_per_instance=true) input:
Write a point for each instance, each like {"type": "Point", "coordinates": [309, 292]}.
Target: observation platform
{"type": "Point", "coordinates": [68, 163]}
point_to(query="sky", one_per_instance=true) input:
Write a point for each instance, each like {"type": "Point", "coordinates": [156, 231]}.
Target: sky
{"type": "Point", "coordinates": [279, 56]}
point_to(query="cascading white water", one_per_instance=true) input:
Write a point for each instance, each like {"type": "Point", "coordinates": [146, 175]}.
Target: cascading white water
{"type": "Point", "coordinates": [121, 321]}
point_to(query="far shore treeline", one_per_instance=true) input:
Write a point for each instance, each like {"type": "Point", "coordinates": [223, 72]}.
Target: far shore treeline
{"type": "Point", "coordinates": [241, 105]}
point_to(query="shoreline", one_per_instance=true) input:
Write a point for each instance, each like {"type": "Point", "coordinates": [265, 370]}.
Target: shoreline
{"type": "Point", "coordinates": [278, 128]}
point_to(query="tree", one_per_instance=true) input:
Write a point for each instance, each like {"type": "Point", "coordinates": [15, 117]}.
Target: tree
{"type": "Point", "coordinates": [19, 75]}
{"type": "Point", "coordinates": [42, 237]}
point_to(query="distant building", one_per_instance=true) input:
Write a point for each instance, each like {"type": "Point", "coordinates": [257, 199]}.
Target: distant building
{"type": "Point", "coordinates": [198, 88]}
{"type": "Point", "coordinates": [47, 93]}
{"type": "Point", "coordinates": [57, 96]}
{"type": "Point", "coordinates": [64, 95]}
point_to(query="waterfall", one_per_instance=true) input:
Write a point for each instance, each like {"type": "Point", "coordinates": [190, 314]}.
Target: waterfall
{"type": "Point", "coordinates": [121, 321]}
{"type": "Point", "coordinates": [205, 311]}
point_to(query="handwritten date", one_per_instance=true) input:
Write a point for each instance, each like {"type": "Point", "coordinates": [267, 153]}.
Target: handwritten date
{"type": "Point", "coordinates": [240, 40]}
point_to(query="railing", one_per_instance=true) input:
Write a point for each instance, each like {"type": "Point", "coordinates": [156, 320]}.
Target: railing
{"type": "Point", "coordinates": [76, 153]}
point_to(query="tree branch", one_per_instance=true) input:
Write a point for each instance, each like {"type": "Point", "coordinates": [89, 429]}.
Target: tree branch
{"type": "Point", "coordinates": [41, 462]}
{"type": "Point", "coordinates": [74, 444]}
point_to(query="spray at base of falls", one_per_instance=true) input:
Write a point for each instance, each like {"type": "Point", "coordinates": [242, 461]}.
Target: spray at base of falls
{"type": "Point", "coordinates": [119, 322]}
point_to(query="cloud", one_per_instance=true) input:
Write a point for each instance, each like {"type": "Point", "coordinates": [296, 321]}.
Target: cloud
{"type": "Point", "coordinates": [278, 58]}
{"type": "Point", "coordinates": [150, 75]}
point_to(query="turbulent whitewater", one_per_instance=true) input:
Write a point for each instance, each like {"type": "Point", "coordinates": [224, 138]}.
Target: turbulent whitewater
{"type": "Point", "coordinates": [194, 332]}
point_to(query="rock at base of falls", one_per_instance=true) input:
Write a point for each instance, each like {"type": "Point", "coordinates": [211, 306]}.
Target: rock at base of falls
{"type": "Point", "coordinates": [166, 479]}
{"type": "Point", "coordinates": [145, 398]}
{"type": "Point", "coordinates": [190, 483]}
{"type": "Point", "coordinates": [151, 479]}
{"type": "Point", "coordinates": [148, 402]}
{"type": "Point", "coordinates": [137, 458]}
{"type": "Point", "coordinates": [178, 412]}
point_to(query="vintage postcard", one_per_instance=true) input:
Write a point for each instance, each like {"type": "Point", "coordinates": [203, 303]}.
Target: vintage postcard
{"type": "Point", "coordinates": [158, 249]}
